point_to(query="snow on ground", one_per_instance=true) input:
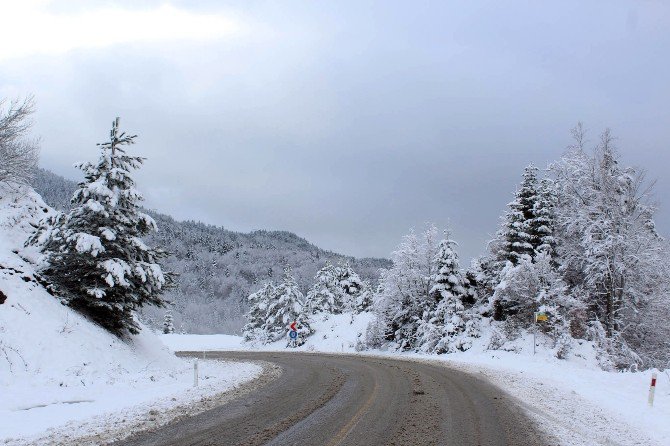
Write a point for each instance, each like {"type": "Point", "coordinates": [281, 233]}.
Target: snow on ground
{"type": "Point", "coordinates": [59, 371]}
{"type": "Point", "coordinates": [573, 400]}
{"type": "Point", "coordinates": [333, 333]}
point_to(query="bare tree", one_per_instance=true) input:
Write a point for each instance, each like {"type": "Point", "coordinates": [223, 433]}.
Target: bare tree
{"type": "Point", "coordinates": [18, 153]}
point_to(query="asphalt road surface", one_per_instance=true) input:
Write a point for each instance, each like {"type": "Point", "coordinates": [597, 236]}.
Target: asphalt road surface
{"type": "Point", "coordinates": [328, 400]}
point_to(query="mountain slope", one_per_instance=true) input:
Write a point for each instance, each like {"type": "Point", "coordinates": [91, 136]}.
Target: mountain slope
{"type": "Point", "coordinates": [218, 268]}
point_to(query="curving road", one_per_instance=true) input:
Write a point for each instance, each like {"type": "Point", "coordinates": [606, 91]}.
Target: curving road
{"type": "Point", "coordinates": [328, 400]}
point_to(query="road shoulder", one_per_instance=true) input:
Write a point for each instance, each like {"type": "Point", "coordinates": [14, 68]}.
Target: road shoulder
{"type": "Point", "coordinates": [147, 417]}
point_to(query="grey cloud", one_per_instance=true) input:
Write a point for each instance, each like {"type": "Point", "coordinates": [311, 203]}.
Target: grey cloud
{"type": "Point", "coordinates": [350, 122]}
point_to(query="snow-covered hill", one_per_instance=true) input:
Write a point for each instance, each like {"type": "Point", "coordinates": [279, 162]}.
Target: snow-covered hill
{"type": "Point", "coordinates": [219, 268]}
{"type": "Point", "coordinates": [57, 367]}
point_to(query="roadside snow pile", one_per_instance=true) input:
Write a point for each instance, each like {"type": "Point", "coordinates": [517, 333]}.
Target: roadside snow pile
{"type": "Point", "coordinates": [579, 405]}
{"type": "Point", "coordinates": [56, 366]}
{"type": "Point", "coordinates": [332, 333]}
{"type": "Point", "coordinates": [572, 399]}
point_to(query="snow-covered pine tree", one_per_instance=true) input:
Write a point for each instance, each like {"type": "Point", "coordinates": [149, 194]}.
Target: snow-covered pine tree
{"type": "Point", "coordinates": [516, 231]}
{"type": "Point", "coordinates": [364, 300]}
{"type": "Point", "coordinates": [482, 277]}
{"type": "Point", "coordinates": [405, 288]}
{"type": "Point", "coordinates": [337, 289]}
{"type": "Point", "coordinates": [444, 324]}
{"type": "Point", "coordinates": [542, 227]}
{"type": "Point", "coordinates": [351, 284]}
{"type": "Point", "coordinates": [257, 316]}
{"type": "Point", "coordinates": [168, 323]}
{"type": "Point", "coordinates": [326, 294]}
{"type": "Point", "coordinates": [95, 255]}
{"type": "Point", "coordinates": [522, 233]}
{"type": "Point", "coordinates": [287, 307]}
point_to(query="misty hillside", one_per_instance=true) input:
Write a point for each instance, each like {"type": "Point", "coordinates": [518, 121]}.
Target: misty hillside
{"type": "Point", "coordinates": [218, 268]}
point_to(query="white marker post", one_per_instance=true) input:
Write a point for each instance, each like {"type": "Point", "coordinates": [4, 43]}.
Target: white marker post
{"type": "Point", "coordinates": [195, 373]}
{"type": "Point", "coordinates": [534, 330]}
{"type": "Point", "coordinates": [652, 389]}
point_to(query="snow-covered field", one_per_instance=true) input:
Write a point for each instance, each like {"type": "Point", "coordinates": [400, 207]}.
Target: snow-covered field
{"type": "Point", "coordinates": [61, 376]}
{"type": "Point", "coordinates": [571, 399]}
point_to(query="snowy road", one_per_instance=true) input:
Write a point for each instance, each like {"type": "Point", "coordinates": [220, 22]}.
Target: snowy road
{"type": "Point", "coordinates": [322, 399]}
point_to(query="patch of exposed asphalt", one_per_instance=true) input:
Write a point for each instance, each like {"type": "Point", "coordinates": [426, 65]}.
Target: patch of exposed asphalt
{"type": "Point", "coordinates": [271, 432]}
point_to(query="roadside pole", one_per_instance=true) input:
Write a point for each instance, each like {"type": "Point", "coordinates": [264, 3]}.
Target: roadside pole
{"type": "Point", "coordinates": [534, 330]}
{"type": "Point", "coordinates": [652, 389]}
{"type": "Point", "coordinates": [538, 316]}
{"type": "Point", "coordinates": [195, 373]}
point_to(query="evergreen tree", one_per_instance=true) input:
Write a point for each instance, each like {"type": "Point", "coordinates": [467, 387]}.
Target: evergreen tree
{"type": "Point", "coordinates": [95, 254]}
{"type": "Point", "coordinates": [542, 227]}
{"type": "Point", "coordinates": [405, 288]}
{"type": "Point", "coordinates": [337, 289]}
{"type": "Point", "coordinates": [351, 284]}
{"type": "Point", "coordinates": [287, 307]}
{"type": "Point", "coordinates": [471, 285]}
{"type": "Point", "coordinates": [517, 236]}
{"type": "Point", "coordinates": [168, 323]}
{"type": "Point", "coordinates": [364, 300]}
{"type": "Point", "coordinates": [444, 323]}
{"type": "Point", "coordinates": [449, 280]}
{"type": "Point", "coordinates": [528, 229]}
{"type": "Point", "coordinates": [257, 316]}
{"type": "Point", "coordinates": [326, 295]}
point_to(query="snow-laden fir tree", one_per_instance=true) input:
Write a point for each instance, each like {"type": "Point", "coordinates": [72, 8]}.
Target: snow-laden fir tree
{"type": "Point", "coordinates": [526, 227]}
{"type": "Point", "coordinates": [365, 299]}
{"type": "Point", "coordinates": [168, 323]}
{"type": "Point", "coordinates": [326, 294]}
{"type": "Point", "coordinates": [406, 286]}
{"type": "Point", "coordinates": [337, 289]}
{"type": "Point", "coordinates": [518, 240]}
{"type": "Point", "coordinates": [95, 255]}
{"type": "Point", "coordinates": [542, 227]}
{"type": "Point", "coordinates": [287, 307]}
{"type": "Point", "coordinates": [351, 285]}
{"type": "Point", "coordinates": [444, 325]}
{"type": "Point", "coordinates": [254, 329]}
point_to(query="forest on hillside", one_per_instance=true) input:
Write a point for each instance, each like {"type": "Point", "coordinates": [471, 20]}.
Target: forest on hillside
{"type": "Point", "coordinates": [217, 268]}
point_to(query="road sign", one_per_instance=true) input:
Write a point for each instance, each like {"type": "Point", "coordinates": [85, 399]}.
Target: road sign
{"type": "Point", "coordinates": [293, 326]}
{"type": "Point", "coordinates": [293, 334]}
{"type": "Point", "coordinates": [541, 317]}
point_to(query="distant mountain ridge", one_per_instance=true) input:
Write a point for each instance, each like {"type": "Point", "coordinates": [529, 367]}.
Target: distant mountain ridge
{"type": "Point", "coordinates": [218, 268]}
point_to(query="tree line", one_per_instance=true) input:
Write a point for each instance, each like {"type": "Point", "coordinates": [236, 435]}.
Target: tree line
{"type": "Point", "coordinates": [577, 244]}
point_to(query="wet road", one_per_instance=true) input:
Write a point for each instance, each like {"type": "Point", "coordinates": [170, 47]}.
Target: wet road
{"type": "Point", "coordinates": [328, 400]}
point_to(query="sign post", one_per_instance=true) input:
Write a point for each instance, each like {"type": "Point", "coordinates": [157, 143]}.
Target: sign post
{"type": "Point", "coordinates": [538, 316]}
{"type": "Point", "coordinates": [293, 333]}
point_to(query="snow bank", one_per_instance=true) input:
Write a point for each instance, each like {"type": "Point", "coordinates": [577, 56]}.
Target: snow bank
{"type": "Point", "coordinates": [333, 333]}
{"type": "Point", "coordinates": [57, 367]}
{"type": "Point", "coordinates": [573, 400]}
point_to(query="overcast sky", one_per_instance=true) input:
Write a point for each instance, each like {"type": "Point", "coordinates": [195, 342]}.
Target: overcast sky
{"type": "Point", "coordinates": [345, 122]}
